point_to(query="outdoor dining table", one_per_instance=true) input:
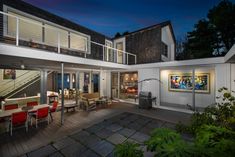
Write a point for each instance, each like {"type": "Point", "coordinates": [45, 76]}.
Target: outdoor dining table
{"type": "Point", "coordinates": [8, 113]}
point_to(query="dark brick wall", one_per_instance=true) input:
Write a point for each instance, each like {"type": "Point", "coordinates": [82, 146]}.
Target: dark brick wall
{"type": "Point", "coordinates": [96, 51]}
{"type": "Point", "coordinates": [146, 45]}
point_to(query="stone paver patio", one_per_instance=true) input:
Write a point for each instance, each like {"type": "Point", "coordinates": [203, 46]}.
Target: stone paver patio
{"type": "Point", "coordinates": [99, 140]}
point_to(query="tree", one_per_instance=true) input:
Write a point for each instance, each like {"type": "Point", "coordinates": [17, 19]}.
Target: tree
{"type": "Point", "coordinates": [213, 36]}
{"type": "Point", "coordinates": [117, 35]}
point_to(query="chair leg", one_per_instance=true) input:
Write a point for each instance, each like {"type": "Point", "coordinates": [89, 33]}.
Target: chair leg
{"type": "Point", "coordinates": [11, 129]}
{"type": "Point", "coordinates": [51, 116]}
{"type": "Point", "coordinates": [26, 126]}
{"type": "Point", "coordinates": [36, 123]}
{"type": "Point", "coordinates": [48, 119]}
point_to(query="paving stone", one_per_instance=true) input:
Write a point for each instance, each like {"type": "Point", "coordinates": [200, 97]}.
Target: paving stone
{"type": "Point", "coordinates": [42, 152]}
{"type": "Point", "coordinates": [134, 126]}
{"type": "Point", "coordinates": [103, 124]}
{"type": "Point", "coordinates": [133, 117]}
{"type": "Point", "coordinates": [146, 130]}
{"type": "Point", "coordinates": [24, 155]}
{"type": "Point", "coordinates": [114, 127]}
{"type": "Point", "coordinates": [63, 143]}
{"type": "Point", "coordinates": [187, 137]}
{"type": "Point", "coordinates": [126, 132]}
{"type": "Point", "coordinates": [80, 135]}
{"type": "Point", "coordinates": [169, 125]}
{"type": "Point", "coordinates": [111, 154]}
{"type": "Point", "coordinates": [140, 137]}
{"type": "Point", "coordinates": [94, 128]}
{"type": "Point", "coordinates": [90, 141]}
{"type": "Point", "coordinates": [56, 154]}
{"type": "Point", "coordinates": [104, 133]}
{"type": "Point", "coordinates": [124, 123]}
{"type": "Point", "coordinates": [73, 150]}
{"type": "Point", "coordinates": [155, 124]}
{"type": "Point", "coordinates": [147, 153]}
{"type": "Point", "coordinates": [103, 148]}
{"type": "Point", "coordinates": [132, 141]}
{"type": "Point", "coordinates": [89, 153]}
{"type": "Point", "coordinates": [116, 139]}
{"type": "Point", "coordinates": [142, 121]}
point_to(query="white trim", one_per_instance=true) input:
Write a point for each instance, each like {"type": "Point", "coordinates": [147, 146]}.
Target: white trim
{"type": "Point", "coordinates": [230, 54]}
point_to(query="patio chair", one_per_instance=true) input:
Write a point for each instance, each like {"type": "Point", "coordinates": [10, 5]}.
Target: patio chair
{"type": "Point", "coordinates": [41, 114]}
{"type": "Point", "coordinates": [32, 103]}
{"type": "Point", "coordinates": [19, 119]}
{"type": "Point", "coordinates": [53, 108]}
{"type": "Point", "coordinates": [10, 107]}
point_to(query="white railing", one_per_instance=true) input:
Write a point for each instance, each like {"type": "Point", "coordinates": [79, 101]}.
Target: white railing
{"type": "Point", "coordinates": [55, 36]}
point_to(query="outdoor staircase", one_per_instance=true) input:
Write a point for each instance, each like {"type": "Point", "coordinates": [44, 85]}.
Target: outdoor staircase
{"type": "Point", "coordinates": [24, 79]}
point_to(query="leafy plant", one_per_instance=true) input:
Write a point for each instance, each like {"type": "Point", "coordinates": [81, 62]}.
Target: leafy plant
{"type": "Point", "coordinates": [128, 149]}
{"type": "Point", "coordinates": [222, 114]}
{"type": "Point", "coordinates": [166, 142]}
{"type": "Point", "coordinates": [215, 141]}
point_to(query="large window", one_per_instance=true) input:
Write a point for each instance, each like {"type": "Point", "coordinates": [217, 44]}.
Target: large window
{"type": "Point", "coordinates": [109, 55]}
{"type": "Point", "coordinates": [78, 42]}
{"type": "Point", "coordinates": [43, 32]}
{"type": "Point", "coordinates": [119, 46]}
{"type": "Point", "coordinates": [51, 36]}
{"type": "Point", "coordinates": [30, 30]}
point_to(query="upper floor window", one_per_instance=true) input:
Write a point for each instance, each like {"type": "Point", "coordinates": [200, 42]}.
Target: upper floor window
{"type": "Point", "coordinates": [33, 29]}
{"type": "Point", "coordinates": [53, 34]}
{"type": "Point", "coordinates": [29, 29]}
{"type": "Point", "coordinates": [165, 49]}
{"type": "Point", "coordinates": [79, 42]}
{"type": "Point", "coordinates": [109, 55]}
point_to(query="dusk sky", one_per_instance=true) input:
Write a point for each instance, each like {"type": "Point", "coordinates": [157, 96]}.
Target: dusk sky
{"type": "Point", "coordinates": [109, 16]}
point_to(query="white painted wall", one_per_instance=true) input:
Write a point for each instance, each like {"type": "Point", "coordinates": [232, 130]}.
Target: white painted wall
{"type": "Point", "coordinates": [233, 78]}
{"type": "Point", "coordinates": [152, 86]}
{"type": "Point", "coordinates": [183, 98]}
{"type": "Point", "coordinates": [222, 76]}
{"type": "Point", "coordinates": [105, 83]}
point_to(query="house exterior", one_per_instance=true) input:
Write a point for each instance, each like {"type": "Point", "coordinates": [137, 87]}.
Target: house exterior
{"type": "Point", "coordinates": [43, 47]}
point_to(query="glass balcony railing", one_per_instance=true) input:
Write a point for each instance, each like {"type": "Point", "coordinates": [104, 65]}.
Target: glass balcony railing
{"type": "Point", "coordinates": [23, 31]}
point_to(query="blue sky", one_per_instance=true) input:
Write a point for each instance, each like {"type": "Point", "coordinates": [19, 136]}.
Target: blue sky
{"type": "Point", "coordinates": [111, 16]}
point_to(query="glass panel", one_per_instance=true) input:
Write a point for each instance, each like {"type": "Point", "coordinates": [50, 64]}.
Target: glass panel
{"type": "Point", "coordinates": [114, 85]}
{"type": "Point", "coordinates": [51, 36]}
{"type": "Point", "coordinates": [95, 81]}
{"type": "Point", "coordinates": [129, 86]}
{"type": "Point", "coordinates": [109, 52]}
{"type": "Point", "coordinates": [30, 30]}
{"type": "Point", "coordinates": [78, 42]}
{"type": "Point", "coordinates": [119, 46]}
{"type": "Point", "coordinates": [86, 83]}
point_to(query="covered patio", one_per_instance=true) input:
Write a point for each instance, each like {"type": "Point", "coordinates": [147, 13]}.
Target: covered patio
{"type": "Point", "coordinates": [22, 142]}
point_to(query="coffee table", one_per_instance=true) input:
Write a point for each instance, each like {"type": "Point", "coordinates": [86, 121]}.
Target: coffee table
{"type": "Point", "coordinates": [70, 106]}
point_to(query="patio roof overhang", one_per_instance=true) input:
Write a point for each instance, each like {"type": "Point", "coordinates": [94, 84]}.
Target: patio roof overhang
{"type": "Point", "coordinates": [12, 56]}
{"type": "Point", "coordinates": [230, 56]}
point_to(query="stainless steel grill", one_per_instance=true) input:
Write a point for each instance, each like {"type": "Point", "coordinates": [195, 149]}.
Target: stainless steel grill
{"type": "Point", "coordinates": [145, 100]}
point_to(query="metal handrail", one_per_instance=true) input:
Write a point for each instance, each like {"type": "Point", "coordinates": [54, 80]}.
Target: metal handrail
{"type": "Point", "coordinates": [59, 46]}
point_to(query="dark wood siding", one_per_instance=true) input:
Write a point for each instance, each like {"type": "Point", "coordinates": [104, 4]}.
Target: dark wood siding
{"type": "Point", "coordinates": [146, 45]}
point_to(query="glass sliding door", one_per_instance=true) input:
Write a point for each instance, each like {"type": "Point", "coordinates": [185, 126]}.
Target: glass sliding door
{"type": "Point", "coordinates": [95, 83]}
{"type": "Point", "coordinates": [114, 85]}
{"type": "Point", "coordinates": [119, 46]}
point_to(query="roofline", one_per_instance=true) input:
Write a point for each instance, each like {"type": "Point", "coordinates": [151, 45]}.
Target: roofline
{"type": "Point", "coordinates": [192, 62]}
{"type": "Point", "coordinates": [162, 24]}
{"type": "Point", "coordinates": [230, 54]}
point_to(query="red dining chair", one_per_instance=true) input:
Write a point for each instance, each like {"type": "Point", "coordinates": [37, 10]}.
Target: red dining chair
{"type": "Point", "coordinates": [18, 119]}
{"type": "Point", "coordinates": [53, 108]}
{"type": "Point", "coordinates": [32, 103]}
{"type": "Point", "coordinates": [10, 107]}
{"type": "Point", "coordinates": [41, 114]}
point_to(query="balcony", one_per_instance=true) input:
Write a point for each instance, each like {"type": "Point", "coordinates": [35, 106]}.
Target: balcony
{"type": "Point", "coordinates": [22, 31]}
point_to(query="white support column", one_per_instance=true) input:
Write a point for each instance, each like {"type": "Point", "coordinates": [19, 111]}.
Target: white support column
{"type": "Point", "coordinates": [77, 86]}
{"type": "Point", "coordinates": [193, 90]}
{"type": "Point", "coordinates": [62, 93]}
{"type": "Point", "coordinates": [43, 87]}
{"type": "Point", "coordinates": [71, 80]}
{"type": "Point", "coordinates": [118, 85]}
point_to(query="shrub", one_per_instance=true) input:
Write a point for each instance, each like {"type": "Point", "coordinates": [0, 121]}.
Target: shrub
{"type": "Point", "coordinates": [128, 149]}
{"type": "Point", "coordinates": [166, 142]}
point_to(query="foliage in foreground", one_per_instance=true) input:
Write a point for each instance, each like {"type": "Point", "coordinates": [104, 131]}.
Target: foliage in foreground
{"type": "Point", "coordinates": [128, 149]}
{"type": "Point", "coordinates": [222, 114]}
